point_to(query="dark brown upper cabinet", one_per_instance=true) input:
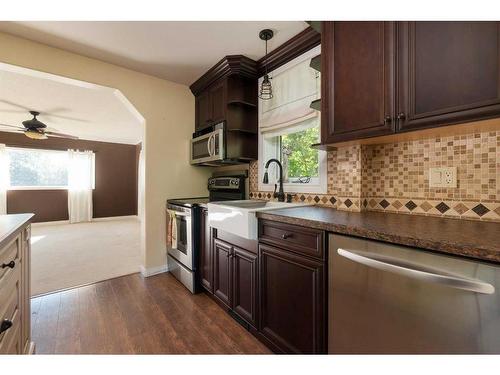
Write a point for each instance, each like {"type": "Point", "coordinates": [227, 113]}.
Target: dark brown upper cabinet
{"type": "Point", "coordinates": [228, 92]}
{"type": "Point", "coordinates": [203, 110]}
{"type": "Point", "coordinates": [358, 87]}
{"type": "Point", "coordinates": [217, 94]}
{"type": "Point", "coordinates": [449, 72]}
{"type": "Point", "coordinates": [384, 77]}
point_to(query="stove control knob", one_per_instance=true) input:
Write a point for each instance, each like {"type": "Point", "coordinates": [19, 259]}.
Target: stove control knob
{"type": "Point", "coordinates": [234, 181]}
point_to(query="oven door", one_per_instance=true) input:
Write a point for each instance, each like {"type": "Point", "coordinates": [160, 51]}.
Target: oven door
{"type": "Point", "coordinates": [208, 147]}
{"type": "Point", "coordinates": [183, 252]}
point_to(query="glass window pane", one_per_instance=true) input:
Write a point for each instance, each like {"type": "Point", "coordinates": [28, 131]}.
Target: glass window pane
{"type": "Point", "coordinates": [299, 159]}
{"type": "Point", "coordinates": [38, 168]}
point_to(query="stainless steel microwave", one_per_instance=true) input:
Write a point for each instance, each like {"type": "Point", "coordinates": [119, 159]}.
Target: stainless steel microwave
{"type": "Point", "coordinates": [208, 147]}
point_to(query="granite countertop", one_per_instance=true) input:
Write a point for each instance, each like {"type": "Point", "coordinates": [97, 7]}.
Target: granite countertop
{"type": "Point", "coordinates": [9, 224]}
{"type": "Point", "coordinates": [475, 239]}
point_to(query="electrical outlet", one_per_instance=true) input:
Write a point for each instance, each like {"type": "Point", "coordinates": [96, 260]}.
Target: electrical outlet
{"type": "Point", "coordinates": [443, 177]}
{"type": "Point", "coordinates": [450, 177]}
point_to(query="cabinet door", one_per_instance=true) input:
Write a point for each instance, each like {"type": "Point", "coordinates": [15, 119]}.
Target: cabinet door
{"type": "Point", "coordinates": [244, 277]}
{"type": "Point", "coordinates": [206, 258]}
{"type": "Point", "coordinates": [203, 110]}
{"type": "Point", "coordinates": [218, 102]}
{"type": "Point", "coordinates": [449, 72]}
{"type": "Point", "coordinates": [292, 301]}
{"type": "Point", "coordinates": [357, 80]}
{"type": "Point", "coordinates": [26, 294]}
{"type": "Point", "coordinates": [222, 271]}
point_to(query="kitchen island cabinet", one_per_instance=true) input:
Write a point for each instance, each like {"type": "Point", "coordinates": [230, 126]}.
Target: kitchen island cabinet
{"type": "Point", "coordinates": [15, 292]}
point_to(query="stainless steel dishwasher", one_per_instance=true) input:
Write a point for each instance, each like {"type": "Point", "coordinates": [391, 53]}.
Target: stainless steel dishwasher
{"type": "Point", "coordinates": [399, 300]}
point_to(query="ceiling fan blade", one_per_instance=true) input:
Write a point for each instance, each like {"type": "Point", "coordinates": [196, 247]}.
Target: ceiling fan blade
{"type": "Point", "coordinates": [59, 135]}
{"type": "Point", "coordinates": [12, 111]}
{"type": "Point", "coordinates": [15, 105]}
{"type": "Point", "coordinates": [63, 117]}
{"type": "Point", "coordinates": [12, 126]}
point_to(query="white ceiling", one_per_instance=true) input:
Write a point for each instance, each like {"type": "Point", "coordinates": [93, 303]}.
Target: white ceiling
{"type": "Point", "coordinates": [177, 51]}
{"type": "Point", "coordinates": [74, 107]}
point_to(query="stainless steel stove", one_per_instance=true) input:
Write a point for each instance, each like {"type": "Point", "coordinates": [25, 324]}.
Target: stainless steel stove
{"type": "Point", "coordinates": [182, 259]}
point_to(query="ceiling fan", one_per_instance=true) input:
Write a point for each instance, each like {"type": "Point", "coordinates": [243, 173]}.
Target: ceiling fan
{"type": "Point", "coordinates": [36, 129]}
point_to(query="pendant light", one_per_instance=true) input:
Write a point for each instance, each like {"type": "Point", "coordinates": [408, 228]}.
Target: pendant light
{"type": "Point", "coordinates": [266, 89]}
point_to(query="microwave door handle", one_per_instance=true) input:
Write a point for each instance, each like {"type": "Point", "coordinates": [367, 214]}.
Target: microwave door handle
{"type": "Point", "coordinates": [212, 137]}
{"type": "Point", "coordinates": [422, 274]}
{"type": "Point", "coordinates": [209, 147]}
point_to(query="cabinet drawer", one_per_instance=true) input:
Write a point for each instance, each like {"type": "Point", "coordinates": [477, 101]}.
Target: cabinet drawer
{"type": "Point", "coordinates": [298, 239]}
{"type": "Point", "coordinates": [10, 303]}
{"type": "Point", "coordinates": [10, 253]}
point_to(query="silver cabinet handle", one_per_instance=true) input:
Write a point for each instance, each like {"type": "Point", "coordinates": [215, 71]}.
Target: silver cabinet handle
{"type": "Point", "coordinates": [423, 273]}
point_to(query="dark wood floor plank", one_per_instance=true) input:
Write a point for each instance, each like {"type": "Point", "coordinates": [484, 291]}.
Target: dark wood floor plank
{"type": "Point", "coordinates": [45, 327]}
{"type": "Point", "coordinates": [170, 341]}
{"type": "Point", "coordinates": [115, 327]}
{"type": "Point", "coordinates": [221, 326]}
{"type": "Point", "coordinates": [144, 338]}
{"type": "Point", "coordinates": [133, 315]}
{"type": "Point", "coordinates": [68, 324]}
{"type": "Point", "coordinates": [190, 330]}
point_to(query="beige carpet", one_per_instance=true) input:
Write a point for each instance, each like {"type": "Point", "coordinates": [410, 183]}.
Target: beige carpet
{"type": "Point", "coordinates": [67, 255]}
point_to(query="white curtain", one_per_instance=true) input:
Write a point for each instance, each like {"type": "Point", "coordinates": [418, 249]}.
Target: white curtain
{"type": "Point", "coordinates": [80, 185]}
{"type": "Point", "coordinates": [294, 89]}
{"type": "Point", "coordinates": [4, 179]}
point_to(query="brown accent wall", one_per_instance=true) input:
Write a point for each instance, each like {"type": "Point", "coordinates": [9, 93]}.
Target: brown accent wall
{"type": "Point", "coordinates": [116, 172]}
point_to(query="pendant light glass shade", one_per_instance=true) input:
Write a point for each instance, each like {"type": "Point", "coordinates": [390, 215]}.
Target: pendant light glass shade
{"type": "Point", "coordinates": [266, 89]}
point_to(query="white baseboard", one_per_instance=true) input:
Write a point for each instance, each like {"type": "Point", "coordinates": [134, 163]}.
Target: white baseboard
{"type": "Point", "coordinates": [111, 218]}
{"type": "Point", "coordinates": [44, 223]}
{"type": "Point", "coordinates": [146, 272]}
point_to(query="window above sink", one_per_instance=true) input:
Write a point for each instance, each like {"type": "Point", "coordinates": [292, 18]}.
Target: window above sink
{"type": "Point", "coordinates": [288, 126]}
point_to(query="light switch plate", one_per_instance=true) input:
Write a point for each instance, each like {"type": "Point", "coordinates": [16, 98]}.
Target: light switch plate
{"type": "Point", "coordinates": [445, 177]}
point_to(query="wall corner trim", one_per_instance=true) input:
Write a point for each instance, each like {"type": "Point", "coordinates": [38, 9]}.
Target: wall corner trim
{"type": "Point", "coordinates": [146, 272]}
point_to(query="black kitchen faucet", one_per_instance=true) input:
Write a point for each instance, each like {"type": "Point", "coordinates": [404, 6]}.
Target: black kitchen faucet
{"type": "Point", "coordinates": [280, 194]}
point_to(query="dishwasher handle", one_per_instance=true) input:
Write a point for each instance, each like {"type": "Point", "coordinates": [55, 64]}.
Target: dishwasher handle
{"type": "Point", "coordinates": [423, 273]}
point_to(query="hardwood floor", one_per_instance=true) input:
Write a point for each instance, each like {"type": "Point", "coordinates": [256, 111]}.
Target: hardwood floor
{"type": "Point", "coordinates": [130, 314]}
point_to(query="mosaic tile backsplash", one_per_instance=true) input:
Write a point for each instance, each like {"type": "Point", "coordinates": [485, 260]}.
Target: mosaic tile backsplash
{"type": "Point", "coordinates": [395, 177]}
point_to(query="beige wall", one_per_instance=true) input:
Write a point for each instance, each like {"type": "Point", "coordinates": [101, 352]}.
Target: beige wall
{"type": "Point", "coordinates": [168, 109]}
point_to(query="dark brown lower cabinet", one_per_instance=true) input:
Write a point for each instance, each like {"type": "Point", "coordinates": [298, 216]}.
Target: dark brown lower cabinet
{"type": "Point", "coordinates": [244, 284]}
{"type": "Point", "coordinates": [206, 256]}
{"type": "Point", "coordinates": [222, 272]}
{"type": "Point", "coordinates": [292, 301]}
{"type": "Point", "coordinates": [235, 280]}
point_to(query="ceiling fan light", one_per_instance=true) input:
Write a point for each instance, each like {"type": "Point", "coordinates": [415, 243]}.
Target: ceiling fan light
{"type": "Point", "coordinates": [34, 134]}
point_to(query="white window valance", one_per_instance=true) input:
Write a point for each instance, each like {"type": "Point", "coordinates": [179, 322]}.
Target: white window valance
{"type": "Point", "coordinates": [294, 89]}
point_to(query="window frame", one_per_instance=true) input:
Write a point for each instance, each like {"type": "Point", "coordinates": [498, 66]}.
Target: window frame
{"type": "Point", "coordinates": [321, 184]}
{"type": "Point", "coordinates": [47, 187]}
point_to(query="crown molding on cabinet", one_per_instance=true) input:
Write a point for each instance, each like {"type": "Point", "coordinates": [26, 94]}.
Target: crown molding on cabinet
{"type": "Point", "coordinates": [229, 65]}
{"type": "Point", "coordinates": [296, 46]}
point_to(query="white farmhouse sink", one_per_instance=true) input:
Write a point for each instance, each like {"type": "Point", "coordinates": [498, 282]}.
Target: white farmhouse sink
{"type": "Point", "coordinates": [239, 217]}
